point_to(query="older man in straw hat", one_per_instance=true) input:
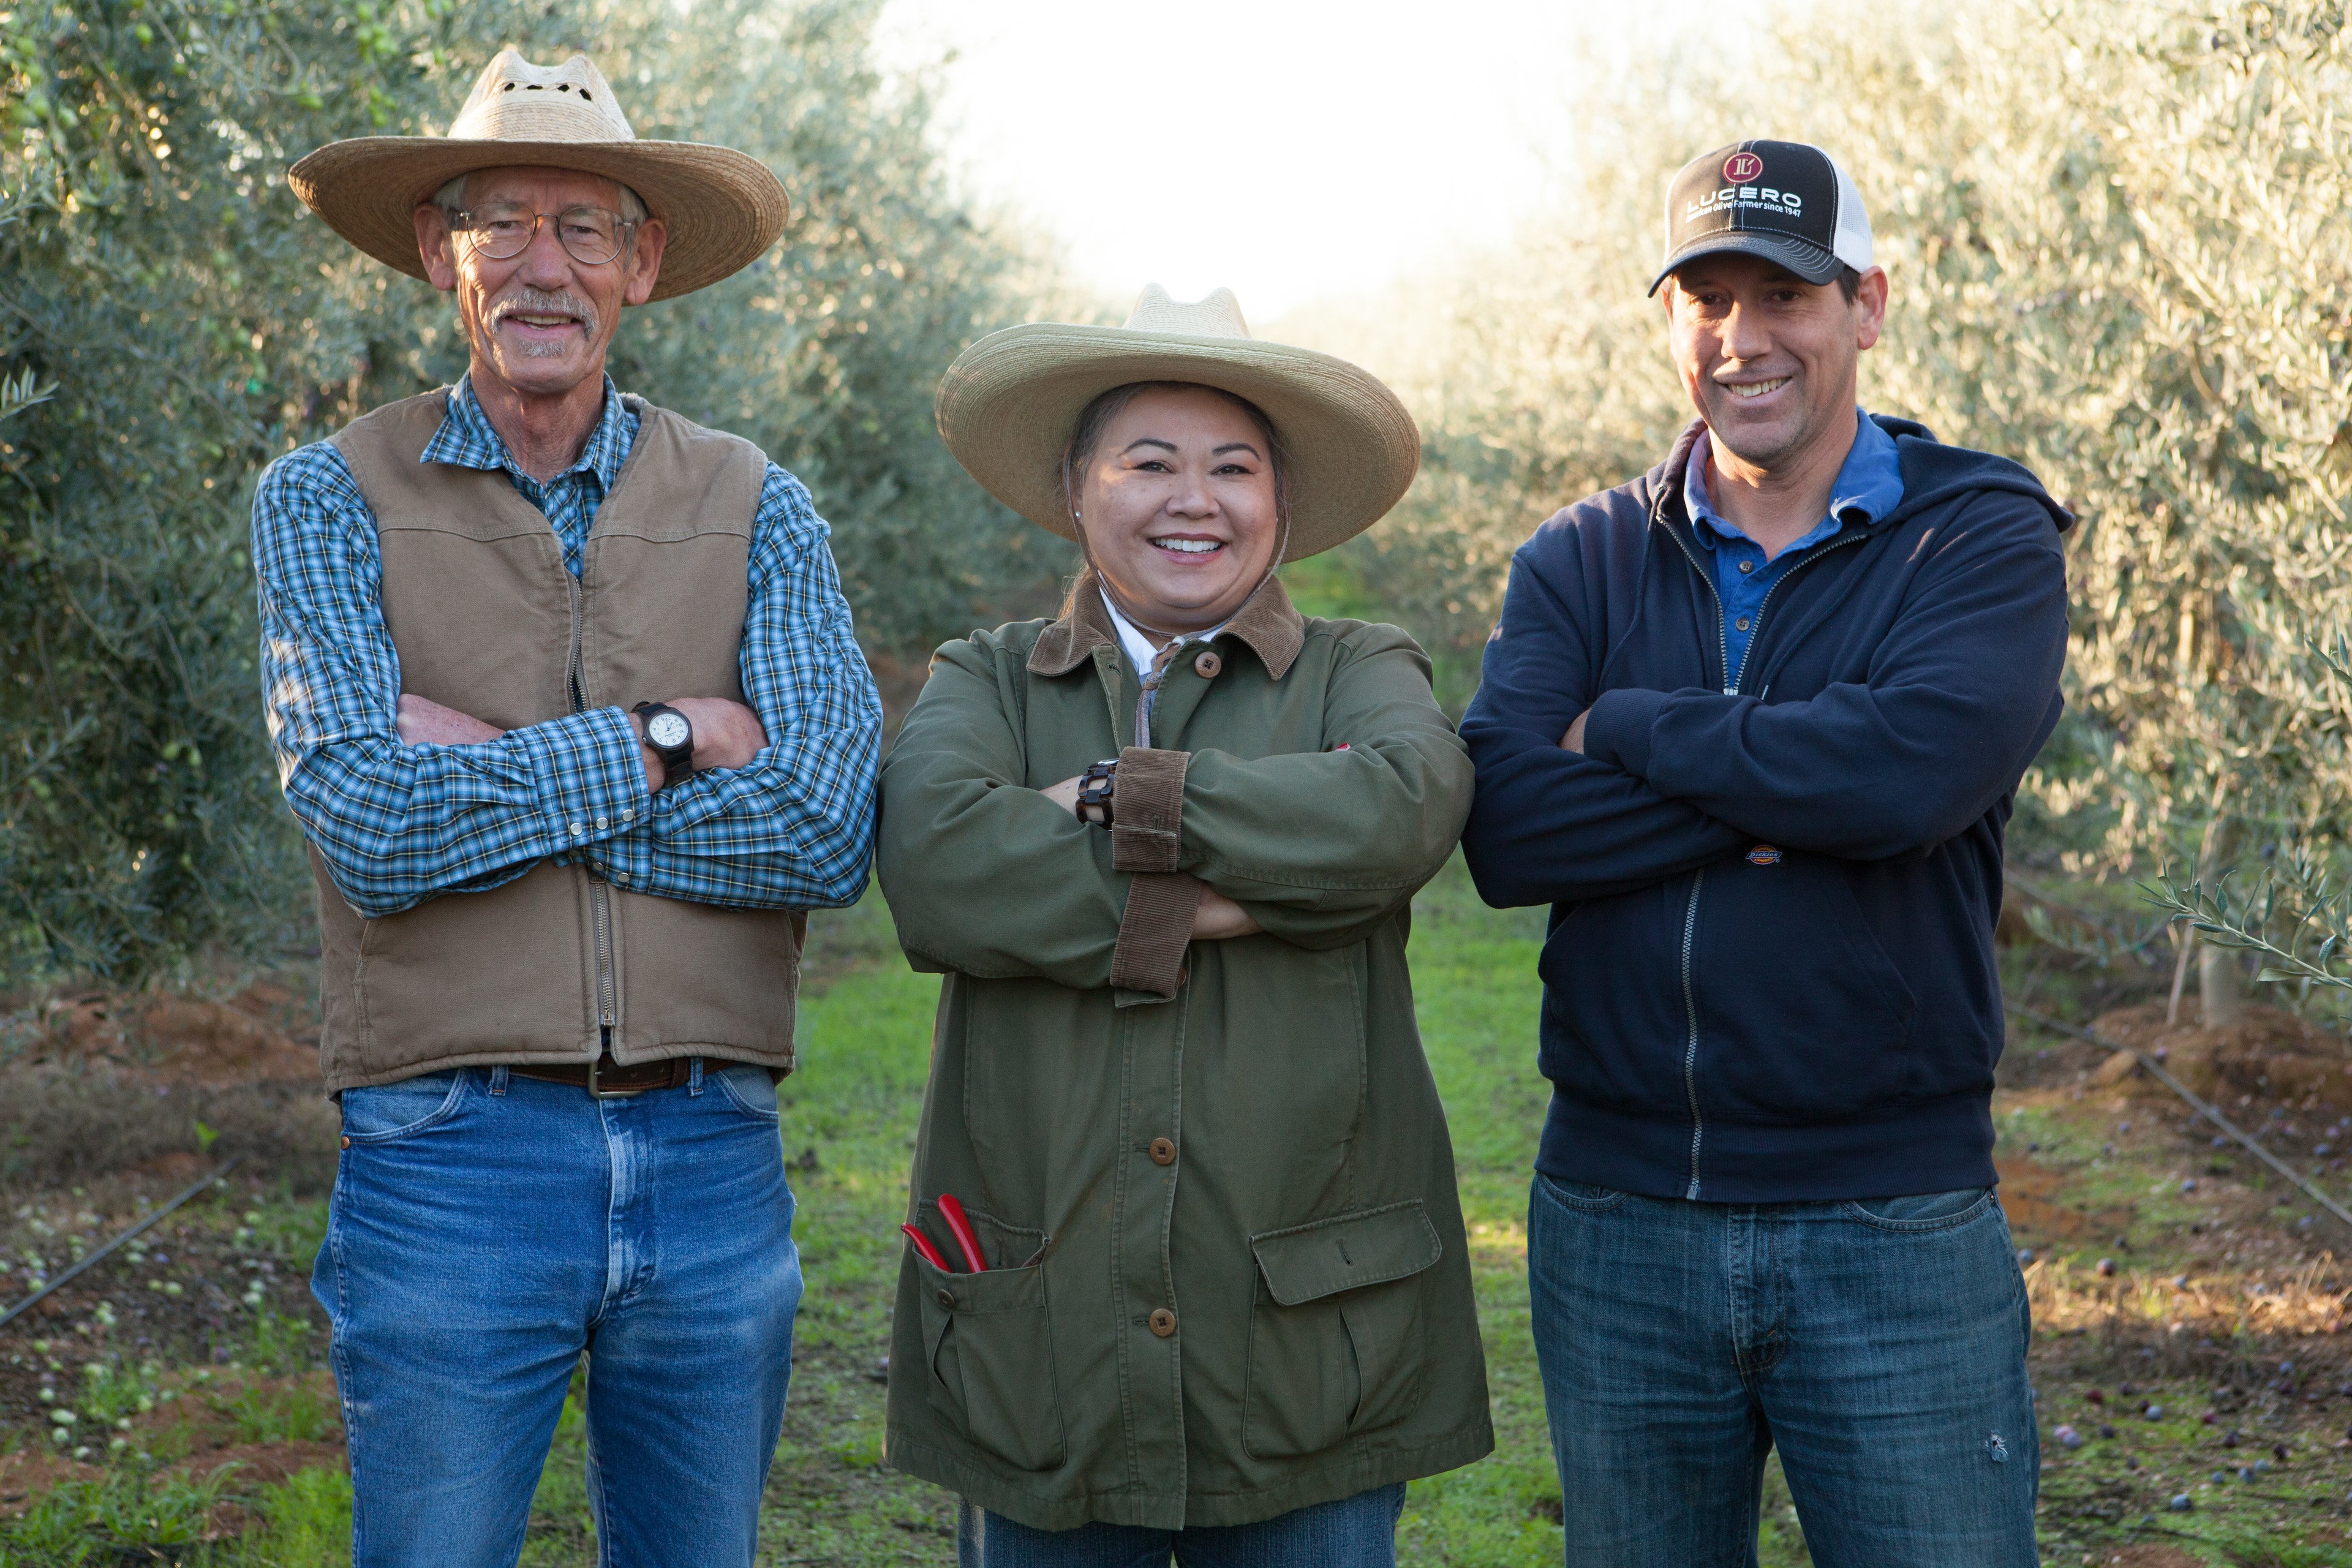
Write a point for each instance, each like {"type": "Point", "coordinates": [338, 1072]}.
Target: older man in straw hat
{"type": "Point", "coordinates": [564, 696]}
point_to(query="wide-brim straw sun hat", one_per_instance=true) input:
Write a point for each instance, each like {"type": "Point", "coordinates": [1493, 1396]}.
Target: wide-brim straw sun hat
{"type": "Point", "coordinates": [721, 208]}
{"type": "Point", "coordinates": [1007, 407]}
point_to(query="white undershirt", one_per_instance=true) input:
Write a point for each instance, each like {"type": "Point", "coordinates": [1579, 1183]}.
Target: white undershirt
{"type": "Point", "coordinates": [1138, 645]}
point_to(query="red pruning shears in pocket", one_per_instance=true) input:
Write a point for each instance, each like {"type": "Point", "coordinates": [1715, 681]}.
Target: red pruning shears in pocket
{"type": "Point", "coordinates": [959, 1226]}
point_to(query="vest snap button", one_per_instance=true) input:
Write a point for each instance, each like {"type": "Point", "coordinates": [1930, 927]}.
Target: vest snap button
{"type": "Point", "coordinates": [1163, 1321]}
{"type": "Point", "coordinates": [1208, 664]}
{"type": "Point", "coordinates": [1163, 1153]}
{"type": "Point", "coordinates": [947, 1300]}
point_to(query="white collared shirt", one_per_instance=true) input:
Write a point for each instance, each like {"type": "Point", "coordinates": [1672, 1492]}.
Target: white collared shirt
{"type": "Point", "coordinates": [1139, 648]}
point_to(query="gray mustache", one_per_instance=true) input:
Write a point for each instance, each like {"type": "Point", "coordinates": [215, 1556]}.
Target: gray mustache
{"type": "Point", "coordinates": [530, 301]}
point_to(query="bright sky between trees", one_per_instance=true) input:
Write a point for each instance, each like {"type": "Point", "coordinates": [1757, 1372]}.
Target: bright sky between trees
{"type": "Point", "coordinates": [1291, 150]}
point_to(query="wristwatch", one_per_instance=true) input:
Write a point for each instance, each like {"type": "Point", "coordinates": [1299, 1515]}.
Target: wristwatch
{"type": "Point", "coordinates": [1095, 787]}
{"type": "Point", "coordinates": [671, 738]}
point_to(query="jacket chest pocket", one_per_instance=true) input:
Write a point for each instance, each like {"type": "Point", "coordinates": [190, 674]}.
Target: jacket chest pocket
{"type": "Point", "coordinates": [1337, 1333]}
{"type": "Point", "coordinates": [988, 1349]}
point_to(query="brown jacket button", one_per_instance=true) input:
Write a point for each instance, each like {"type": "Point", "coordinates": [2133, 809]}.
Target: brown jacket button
{"type": "Point", "coordinates": [1163, 1153]}
{"type": "Point", "coordinates": [1208, 664]}
{"type": "Point", "coordinates": [1163, 1321]}
{"type": "Point", "coordinates": [946, 1298]}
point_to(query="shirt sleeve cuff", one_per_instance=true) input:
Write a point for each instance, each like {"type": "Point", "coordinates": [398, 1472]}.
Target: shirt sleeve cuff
{"type": "Point", "coordinates": [1154, 931]}
{"type": "Point", "coordinates": [588, 774]}
{"type": "Point", "coordinates": [1148, 811]}
{"type": "Point", "coordinates": [1618, 728]}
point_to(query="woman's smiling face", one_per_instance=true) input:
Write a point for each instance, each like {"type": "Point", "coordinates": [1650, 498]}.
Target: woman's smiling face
{"type": "Point", "coordinates": [1177, 502]}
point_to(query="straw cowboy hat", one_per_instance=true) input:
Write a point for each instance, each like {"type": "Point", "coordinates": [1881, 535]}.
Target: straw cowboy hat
{"type": "Point", "coordinates": [721, 207]}
{"type": "Point", "coordinates": [1007, 406]}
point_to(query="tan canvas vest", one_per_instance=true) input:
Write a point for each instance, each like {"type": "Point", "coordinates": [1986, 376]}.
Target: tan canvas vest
{"type": "Point", "coordinates": [486, 620]}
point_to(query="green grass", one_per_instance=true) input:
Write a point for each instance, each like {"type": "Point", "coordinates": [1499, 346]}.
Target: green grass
{"type": "Point", "coordinates": [849, 1129]}
{"type": "Point", "coordinates": [306, 1523]}
{"type": "Point", "coordinates": [96, 1521]}
{"type": "Point", "coordinates": [292, 1412]}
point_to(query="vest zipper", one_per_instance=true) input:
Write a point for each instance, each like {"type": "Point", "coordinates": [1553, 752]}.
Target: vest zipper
{"type": "Point", "coordinates": [599, 908]}
{"type": "Point", "coordinates": [1690, 914]}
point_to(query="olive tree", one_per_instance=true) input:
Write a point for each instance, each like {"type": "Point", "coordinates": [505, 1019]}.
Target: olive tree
{"type": "Point", "coordinates": [2121, 246]}
{"type": "Point", "coordinates": [171, 319]}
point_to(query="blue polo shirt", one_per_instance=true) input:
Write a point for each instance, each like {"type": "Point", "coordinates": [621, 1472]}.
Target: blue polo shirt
{"type": "Point", "coordinates": [1868, 487]}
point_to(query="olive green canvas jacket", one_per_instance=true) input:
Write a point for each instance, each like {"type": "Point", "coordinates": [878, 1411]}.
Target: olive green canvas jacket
{"type": "Point", "coordinates": [1212, 1181]}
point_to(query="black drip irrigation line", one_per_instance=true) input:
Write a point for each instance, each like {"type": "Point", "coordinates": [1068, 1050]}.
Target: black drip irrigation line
{"type": "Point", "coordinates": [45, 1291]}
{"type": "Point", "coordinates": [2156, 1069]}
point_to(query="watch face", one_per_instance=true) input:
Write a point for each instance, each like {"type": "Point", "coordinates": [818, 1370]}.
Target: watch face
{"type": "Point", "coordinates": [668, 731]}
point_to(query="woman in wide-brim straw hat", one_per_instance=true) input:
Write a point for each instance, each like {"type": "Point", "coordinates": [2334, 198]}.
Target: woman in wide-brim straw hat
{"type": "Point", "coordinates": [1192, 1259]}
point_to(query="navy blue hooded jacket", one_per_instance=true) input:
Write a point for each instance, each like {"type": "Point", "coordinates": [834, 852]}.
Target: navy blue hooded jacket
{"type": "Point", "coordinates": [1769, 969]}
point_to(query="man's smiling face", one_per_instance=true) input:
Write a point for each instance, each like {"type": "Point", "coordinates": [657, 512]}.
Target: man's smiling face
{"type": "Point", "coordinates": [1768, 359]}
{"type": "Point", "coordinates": [539, 322]}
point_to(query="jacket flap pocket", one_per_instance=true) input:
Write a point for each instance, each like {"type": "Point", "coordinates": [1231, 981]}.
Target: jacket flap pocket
{"type": "Point", "coordinates": [1002, 1245]}
{"type": "Point", "coordinates": [1344, 1252]}
{"type": "Point", "coordinates": [997, 1290]}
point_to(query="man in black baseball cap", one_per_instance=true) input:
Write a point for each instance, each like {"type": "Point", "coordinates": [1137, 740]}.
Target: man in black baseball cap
{"type": "Point", "coordinates": [1784, 201]}
{"type": "Point", "coordinates": [1751, 724]}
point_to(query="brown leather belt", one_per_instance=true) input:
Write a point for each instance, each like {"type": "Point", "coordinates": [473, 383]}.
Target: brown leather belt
{"type": "Point", "coordinates": [608, 1079]}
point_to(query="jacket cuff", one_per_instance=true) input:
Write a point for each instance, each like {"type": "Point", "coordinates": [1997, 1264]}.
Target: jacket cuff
{"type": "Point", "coordinates": [1154, 931]}
{"type": "Point", "coordinates": [1147, 807]}
{"type": "Point", "coordinates": [1617, 729]}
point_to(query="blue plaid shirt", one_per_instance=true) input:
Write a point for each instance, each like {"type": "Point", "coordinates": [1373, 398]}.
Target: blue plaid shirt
{"type": "Point", "coordinates": [399, 824]}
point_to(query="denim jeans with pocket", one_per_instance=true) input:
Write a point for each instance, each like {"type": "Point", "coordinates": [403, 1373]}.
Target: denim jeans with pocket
{"type": "Point", "coordinates": [1879, 1344]}
{"type": "Point", "coordinates": [1357, 1532]}
{"type": "Point", "coordinates": [487, 1229]}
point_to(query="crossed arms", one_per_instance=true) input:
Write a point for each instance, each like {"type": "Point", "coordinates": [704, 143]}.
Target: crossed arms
{"type": "Point", "coordinates": [997, 879]}
{"type": "Point", "coordinates": [404, 802]}
{"type": "Point", "coordinates": [1957, 696]}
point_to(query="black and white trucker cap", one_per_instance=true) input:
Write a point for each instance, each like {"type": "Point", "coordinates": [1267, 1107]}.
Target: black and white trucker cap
{"type": "Point", "coordinates": [1786, 200]}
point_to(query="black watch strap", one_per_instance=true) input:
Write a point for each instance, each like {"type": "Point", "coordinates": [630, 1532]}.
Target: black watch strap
{"type": "Point", "coordinates": [1096, 785]}
{"type": "Point", "coordinates": [676, 758]}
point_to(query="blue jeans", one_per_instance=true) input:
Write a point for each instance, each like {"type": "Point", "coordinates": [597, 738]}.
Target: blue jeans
{"type": "Point", "coordinates": [486, 1230]}
{"type": "Point", "coordinates": [1879, 1344]}
{"type": "Point", "coordinates": [1353, 1533]}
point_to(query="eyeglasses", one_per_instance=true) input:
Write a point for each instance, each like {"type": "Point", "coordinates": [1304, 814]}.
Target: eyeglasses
{"type": "Point", "coordinates": [591, 236]}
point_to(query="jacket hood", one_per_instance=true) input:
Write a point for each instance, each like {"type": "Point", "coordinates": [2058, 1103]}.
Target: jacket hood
{"type": "Point", "coordinates": [1933, 473]}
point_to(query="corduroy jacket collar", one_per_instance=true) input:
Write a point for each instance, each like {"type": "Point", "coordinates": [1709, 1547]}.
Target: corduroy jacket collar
{"type": "Point", "coordinates": [1268, 623]}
